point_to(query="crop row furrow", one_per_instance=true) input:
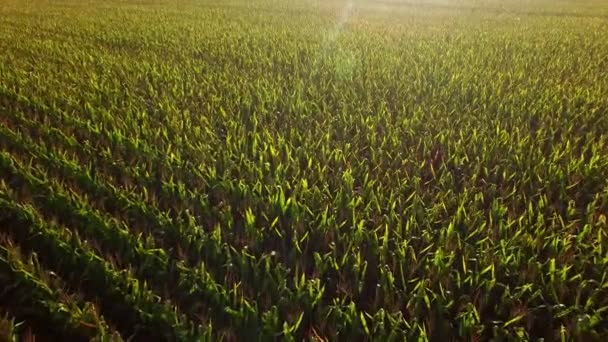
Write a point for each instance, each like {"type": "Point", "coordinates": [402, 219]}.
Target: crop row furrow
{"type": "Point", "coordinates": [193, 289]}
{"type": "Point", "coordinates": [133, 308]}
{"type": "Point", "coordinates": [44, 305]}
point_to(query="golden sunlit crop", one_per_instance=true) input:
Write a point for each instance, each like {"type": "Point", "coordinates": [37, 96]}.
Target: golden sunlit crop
{"type": "Point", "coordinates": [303, 170]}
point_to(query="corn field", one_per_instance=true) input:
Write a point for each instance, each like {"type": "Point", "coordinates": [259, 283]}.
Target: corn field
{"type": "Point", "coordinates": [339, 170]}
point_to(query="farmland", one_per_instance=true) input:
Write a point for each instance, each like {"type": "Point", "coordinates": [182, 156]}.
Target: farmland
{"type": "Point", "coordinates": [288, 170]}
